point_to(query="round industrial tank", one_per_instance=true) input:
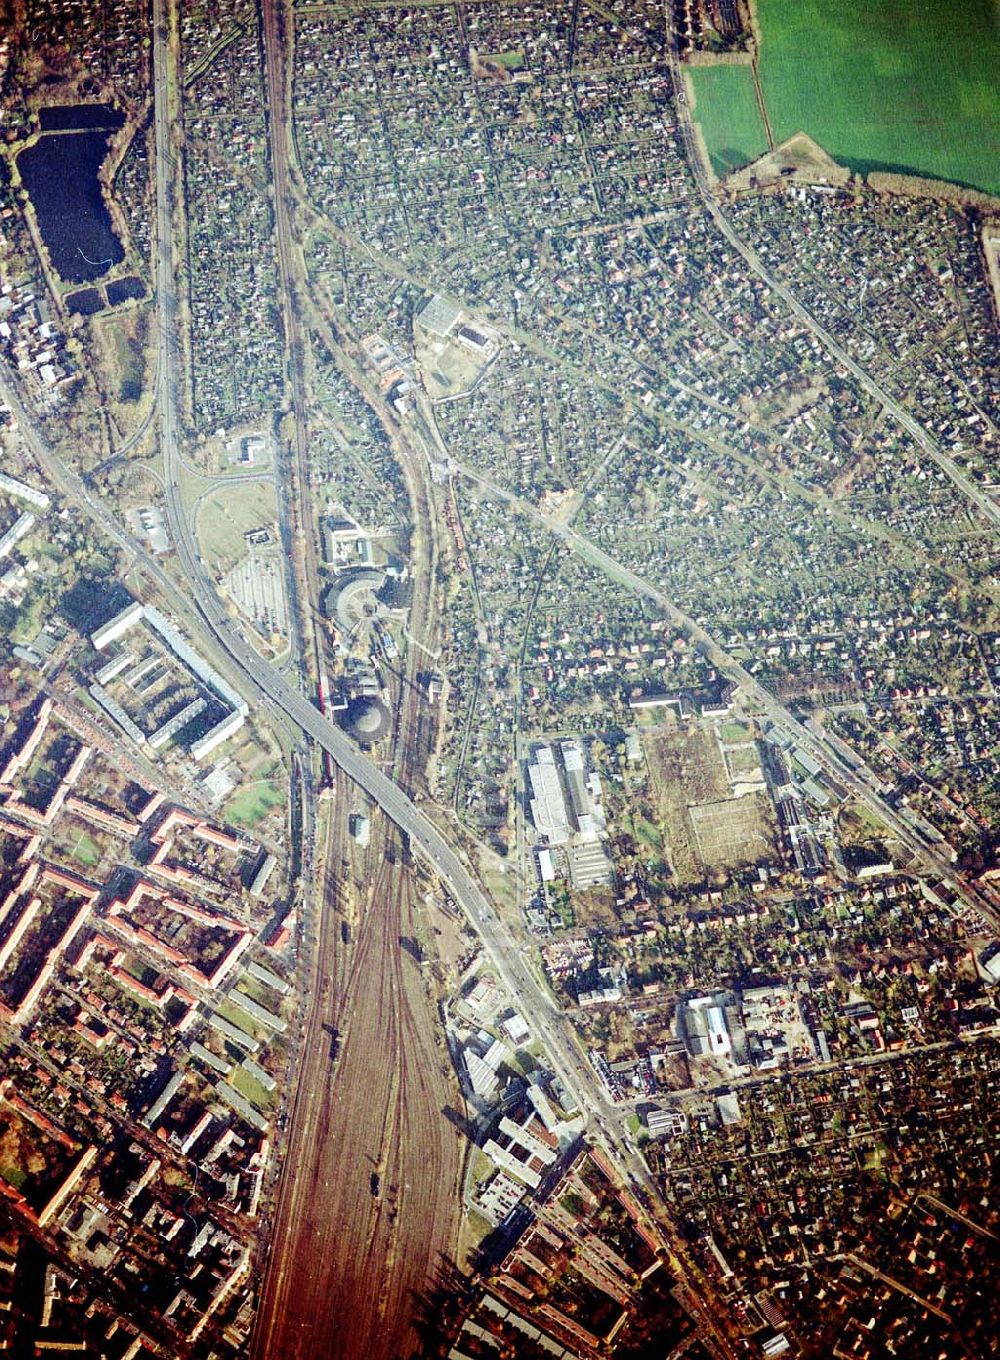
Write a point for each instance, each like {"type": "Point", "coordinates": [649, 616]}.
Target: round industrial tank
{"type": "Point", "coordinates": [366, 719]}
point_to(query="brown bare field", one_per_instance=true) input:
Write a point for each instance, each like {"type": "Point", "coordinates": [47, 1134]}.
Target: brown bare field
{"type": "Point", "coordinates": [703, 827]}
{"type": "Point", "coordinates": [686, 769]}
{"type": "Point", "coordinates": [451, 935]}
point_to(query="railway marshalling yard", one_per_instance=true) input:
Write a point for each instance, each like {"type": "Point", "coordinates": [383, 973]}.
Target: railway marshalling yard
{"type": "Point", "coordinates": [667, 511]}
{"type": "Point", "coordinates": [369, 1102]}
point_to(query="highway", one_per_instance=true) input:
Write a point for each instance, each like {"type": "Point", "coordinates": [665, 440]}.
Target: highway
{"type": "Point", "coordinates": [213, 629]}
{"type": "Point", "coordinates": [165, 80]}
{"type": "Point", "coordinates": [265, 683]}
{"type": "Point", "coordinates": [294, 513]}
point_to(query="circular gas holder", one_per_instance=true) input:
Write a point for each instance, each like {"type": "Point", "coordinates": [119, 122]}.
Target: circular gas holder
{"type": "Point", "coordinates": [367, 719]}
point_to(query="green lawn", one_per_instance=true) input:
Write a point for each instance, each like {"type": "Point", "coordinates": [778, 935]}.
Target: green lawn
{"type": "Point", "coordinates": [86, 851]}
{"type": "Point", "coordinates": [248, 1086]}
{"type": "Point", "coordinates": [229, 512]}
{"type": "Point", "coordinates": [252, 803]}
{"type": "Point", "coordinates": [734, 731]}
{"type": "Point", "coordinates": [510, 61]}
{"type": "Point", "coordinates": [726, 107]}
{"type": "Point", "coordinates": [888, 84]}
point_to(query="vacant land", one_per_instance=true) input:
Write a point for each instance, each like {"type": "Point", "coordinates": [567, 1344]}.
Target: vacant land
{"type": "Point", "coordinates": [726, 107]}
{"type": "Point", "coordinates": [704, 829]}
{"type": "Point", "coordinates": [686, 769]}
{"type": "Point", "coordinates": [733, 832]}
{"type": "Point", "coordinates": [229, 512]}
{"type": "Point", "coordinates": [886, 83]}
{"type": "Point", "coordinates": [743, 762]}
{"type": "Point", "coordinates": [253, 802]}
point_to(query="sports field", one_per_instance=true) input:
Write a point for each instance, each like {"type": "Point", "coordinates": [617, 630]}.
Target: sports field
{"type": "Point", "coordinates": [887, 84]}
{"type": "Point", "coordinates": [253, 802]}
{"type": "Point", "coordinates": [726, 107]}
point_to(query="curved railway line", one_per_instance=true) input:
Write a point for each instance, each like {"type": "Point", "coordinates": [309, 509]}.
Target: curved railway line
{"type": "Point", "coordinates": [347, 1263]}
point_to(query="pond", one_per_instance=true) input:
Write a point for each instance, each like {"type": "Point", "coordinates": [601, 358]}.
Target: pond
{"type": "Point", "coordinates": [86, 302]}
{"type": "Point", "coordinates": [60, 175]}
{"type": "Point", "coordinates": [122, 289]}
{"type": "Point", "coordinates": [77, 117]}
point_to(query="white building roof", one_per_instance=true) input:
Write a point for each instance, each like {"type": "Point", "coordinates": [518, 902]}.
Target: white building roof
{"type": "Point", "coordinates": [548, 804]}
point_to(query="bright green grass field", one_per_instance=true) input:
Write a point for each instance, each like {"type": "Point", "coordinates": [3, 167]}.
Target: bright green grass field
{"type": "Point", "coordinates": [726, 107]}
{"type": "Point", "coordinates": [888, 84]}
{"type": "Point", "coordinates": [251, 804]}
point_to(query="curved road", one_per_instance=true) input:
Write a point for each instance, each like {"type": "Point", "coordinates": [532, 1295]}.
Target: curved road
{"type": "Point", "coordinates": [265, 682]}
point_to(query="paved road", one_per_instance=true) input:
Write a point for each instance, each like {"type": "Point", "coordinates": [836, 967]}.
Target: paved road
{"type": "Point", "coordinates": [302, 573]}
{"type": "Point", "coordinates": [265, 683]}
{"type": "Point", "coordinates": [858, 781]}
{"type": "Point", "coordinates": [913, 427]}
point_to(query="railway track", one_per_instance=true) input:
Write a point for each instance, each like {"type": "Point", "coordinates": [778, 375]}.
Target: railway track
{"type": "Point", "coordinates": [298, 529]}
{"type": "Point", "coordinates": [348, 1262]}
{"type": "Point", "coordinates": [345, 1263]}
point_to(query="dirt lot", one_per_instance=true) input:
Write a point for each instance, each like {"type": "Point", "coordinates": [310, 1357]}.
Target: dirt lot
{"type": "Point", "coordinates": [685, 769]}
{"type": "Point", "coordinates": [735, 831]}
{"type": "Point", "coordinates": [452, 938]}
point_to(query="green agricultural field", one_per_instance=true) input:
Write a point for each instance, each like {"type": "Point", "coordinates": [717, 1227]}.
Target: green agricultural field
{"type": "Point", "coordinates": [888, 84]}
{"type": "Point", "coordinates": [725, 105]}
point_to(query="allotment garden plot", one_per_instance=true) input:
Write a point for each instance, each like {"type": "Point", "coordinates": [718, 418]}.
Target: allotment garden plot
{"type": "Point", "coordinates": [706, 828]}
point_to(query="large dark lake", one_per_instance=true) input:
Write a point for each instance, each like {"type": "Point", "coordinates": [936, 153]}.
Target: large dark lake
{"type": "Point", "coordinates": [60, 174]}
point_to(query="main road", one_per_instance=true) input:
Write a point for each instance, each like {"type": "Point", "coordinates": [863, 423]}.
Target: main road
{"type": "Point", "coordinates": [857, 780]}
{"type": "Point", "coordinates": [267, 685]}
{"type": "Point", "coordinates": [264, 682]}
{"type": "Point", "coordinates": [981, 499]}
